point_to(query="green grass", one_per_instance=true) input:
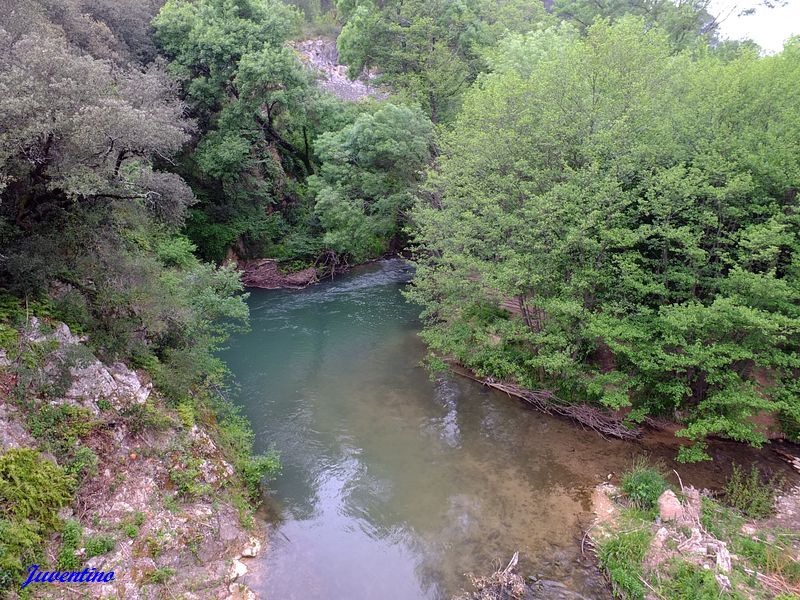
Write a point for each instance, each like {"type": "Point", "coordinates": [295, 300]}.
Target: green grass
{"type": "Point", "coordinates": [687, 581]}
{"type": "Point", "coordinates": [621, 557]}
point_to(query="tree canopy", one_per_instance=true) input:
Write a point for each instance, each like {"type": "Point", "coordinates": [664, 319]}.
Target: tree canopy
{"type": "Point", "coordinates": [639, 207]}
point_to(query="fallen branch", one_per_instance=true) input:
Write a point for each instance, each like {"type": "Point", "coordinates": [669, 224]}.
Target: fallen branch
{"type": "Point", "coordinates": [548, 403]}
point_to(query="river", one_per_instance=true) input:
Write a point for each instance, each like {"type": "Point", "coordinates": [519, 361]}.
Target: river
{"type": "Point", "coordinates": [394, 485]}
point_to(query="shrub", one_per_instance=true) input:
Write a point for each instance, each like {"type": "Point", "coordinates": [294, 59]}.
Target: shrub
{"type": "Point", "coordinates": [70, 542]}
{"type": "Point", "coordinates": [160, 575]}
{"type": "Point", "coordinates": [751, 494]}
{"type": "Point", "coordinates": [643, 484]}
{"type": "Point", "coordinates": [256, 468]}
{"type": "Point", "coordinates": [99, 544]}
{"type": "Point", "coordinates": [59, 428]}
{"type": "Point", "coordinates": [83, 464]}
{"type": "Point", "coordinates": [32, 491]}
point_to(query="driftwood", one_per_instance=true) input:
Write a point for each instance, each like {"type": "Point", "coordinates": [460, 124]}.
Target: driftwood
{"type": "Point", "coordinates": [548, 403]}
{"type": "Point", "coordinates": [503, 584]}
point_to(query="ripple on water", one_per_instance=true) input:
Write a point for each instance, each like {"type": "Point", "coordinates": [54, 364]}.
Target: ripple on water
{"type": "Point", "coordinates": [394, 485]}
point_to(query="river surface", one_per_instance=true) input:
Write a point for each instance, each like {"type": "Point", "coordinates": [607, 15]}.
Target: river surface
{"type": "Point", "coordinates": [394, 485]}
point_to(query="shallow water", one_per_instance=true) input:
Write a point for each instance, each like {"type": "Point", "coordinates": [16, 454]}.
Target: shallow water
{"type": "Point", "coordinates": [395, 485]}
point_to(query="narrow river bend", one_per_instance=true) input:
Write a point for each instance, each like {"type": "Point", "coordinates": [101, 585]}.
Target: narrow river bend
{"type": "Point", "coordinates": [395, 485]}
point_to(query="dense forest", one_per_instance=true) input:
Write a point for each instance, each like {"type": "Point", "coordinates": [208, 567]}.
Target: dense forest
{"type": "Point", "coordinates": [625, 178]}
{"type": "Point", "coordinates": [600, 197]}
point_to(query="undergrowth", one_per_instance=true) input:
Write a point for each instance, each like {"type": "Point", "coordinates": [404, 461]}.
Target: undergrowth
{"type": "Point", "coordinates": [32, 491]}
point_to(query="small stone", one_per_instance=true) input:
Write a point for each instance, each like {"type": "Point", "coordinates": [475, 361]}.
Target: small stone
{"type": "Point", "coordinates": [748, 529]}
{"type": "Point", "coordinates": [240, 592]}
{"type": "Point", "coordinates": [238, 569]}
{"type": "Point", "coordinates": [723, 582]}
{"type": "Point", "coordinates": [252, 549]}
{"type": "Point", "coordinates": [723, 559]}
{"type": "Point", "coordinates": [669, 507]}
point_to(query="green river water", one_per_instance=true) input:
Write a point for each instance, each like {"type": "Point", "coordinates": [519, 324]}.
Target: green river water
{"type": "Point", "coordinates": [395, 485]}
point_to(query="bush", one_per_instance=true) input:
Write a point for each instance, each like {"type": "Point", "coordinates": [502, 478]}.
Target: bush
{"type": "Point", "coordinates": [256, 468]}
{"type": "Point", "coordinates": [643, 484]}
{"type": "Point", "coordinates": [32, 491]}
{"type": "Point", "coordinates": [751, 494]}
{"type": "Point", "coordinates": [99, 544]}
{"type": "Point", "coordinates": [160, 575]}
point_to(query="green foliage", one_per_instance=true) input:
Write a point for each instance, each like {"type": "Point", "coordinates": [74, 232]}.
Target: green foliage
{"type": "Point", "coordinates": [621, 557]}
{"type": "Point", "coordinates": [750, 493]}
{"type": "Point", "coordinates": [71, 535]}
{"type": "Point", "coordinates": [98, 544]}
{"type": "Point", "coordinates": [147, 416]}
{"type": "Point", "coordinates": [687, 581]}
{"type": "Point", "coordinates": [644, 484]}
{"type": "Point", "coordinates": [32, 491]}
{"type": "Point", "coordinates": [627, 200]}
{"type": "Point", "coordinates": [256, 468]}
{"type": "Point", "coordinates": [186, 414]}
{"type": "Point", "coordinates": [60, 428]}
{"type": "Point", "coordinates": [236, 440]}
{"type": "Point", "coordinates": [160, 575]}
{"type": "Point", "coordinates": [429, 52]}
{"type": "Point", "coordinates": [188, 480]}
{"type": "Point", "coordinates": [367, 177]}
{"type": "Point", "coordinates": [83, 464]}
{"type": "Point", "coordinates": [132, 524]}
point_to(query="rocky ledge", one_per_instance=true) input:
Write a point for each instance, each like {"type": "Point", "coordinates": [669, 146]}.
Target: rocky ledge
{"type": "Point", "coordinates": [162, 493]}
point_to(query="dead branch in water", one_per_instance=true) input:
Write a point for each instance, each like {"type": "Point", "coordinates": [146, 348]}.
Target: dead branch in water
{"type": "Point", "coordinates": [503, 584]}
{"type": "Point", "coordinates": [548, 403]}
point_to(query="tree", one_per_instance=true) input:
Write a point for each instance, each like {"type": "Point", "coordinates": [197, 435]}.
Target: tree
{"type": "Point", "coordinates": [368, 174]}
{"type": "Point", "coordinates": [637, 209]}
{"type": "Point", "coordinates": [429, 52]}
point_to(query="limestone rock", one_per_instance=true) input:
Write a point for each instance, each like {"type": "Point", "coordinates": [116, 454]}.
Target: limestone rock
{"type": "Point", "coordinates": [669, 507]}
{"type": "Point", "coordinates": [240, 592]}
{"type": "Point", "coordinates": [252, 549]}
{"type": "Point", "coordinates": [238, 569]}
{"type": "Point", "coordinates": [723, 558]}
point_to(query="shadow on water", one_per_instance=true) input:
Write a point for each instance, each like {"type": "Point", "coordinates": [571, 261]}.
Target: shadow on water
{"type": "Point", "coordinates": [395, 485]}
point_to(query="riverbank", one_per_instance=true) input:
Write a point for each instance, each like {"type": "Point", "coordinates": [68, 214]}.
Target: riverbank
{"type": "Point", "coordinates": [658, 541]}
{"type": "Point", "coordinates": [135, 486]}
